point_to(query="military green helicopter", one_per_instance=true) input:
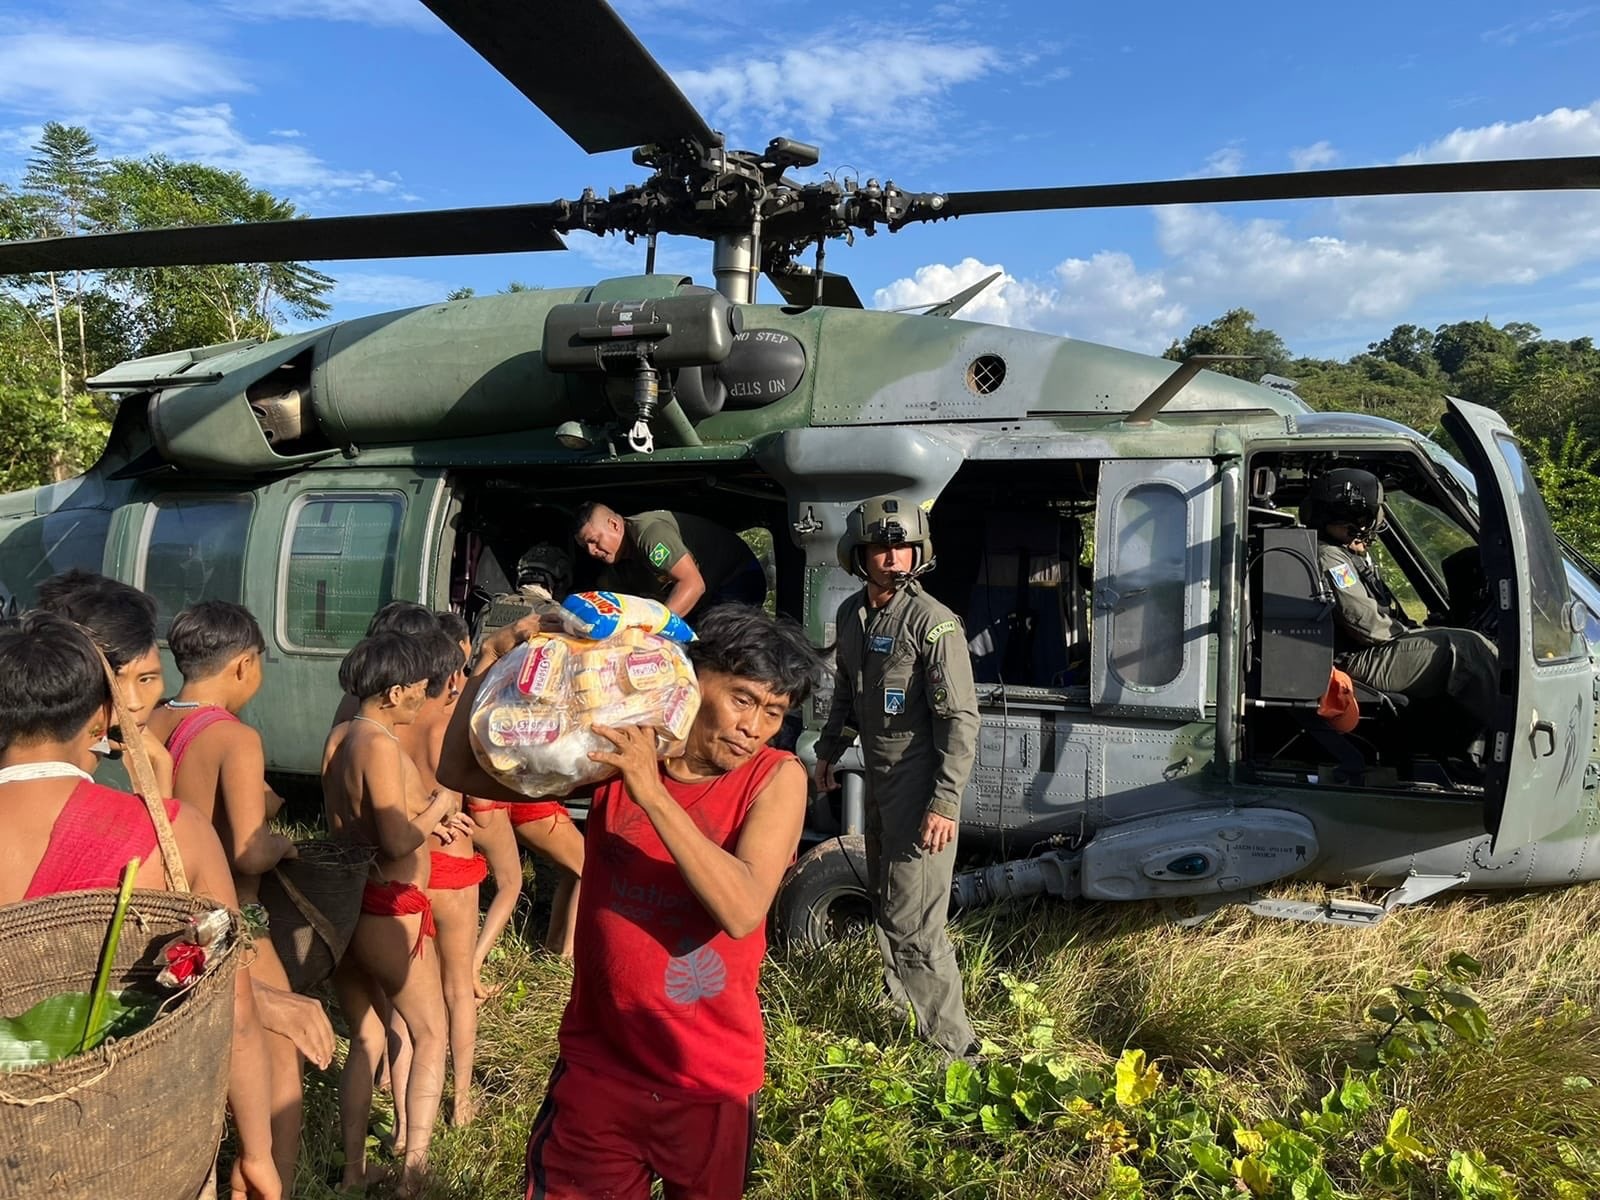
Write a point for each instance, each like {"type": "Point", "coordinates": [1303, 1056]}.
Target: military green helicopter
{"type": "Point", "coordinates": [1120, 532]}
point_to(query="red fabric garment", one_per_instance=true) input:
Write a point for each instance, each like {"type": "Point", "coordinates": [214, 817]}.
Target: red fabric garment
{"type": "Point", "coordinates": [192, 726]}
{"type": "Point", "coordinates": [597, 1136]}
{"type": "Point", "coordinates": [453, 872]}
{"type": "Point", "coordinates": [400, 900]}
{"type": "Point", "coordinates": [99, 831]}
{"type": "Point", "coordinates": [661, 995]}
{"type": "Point", "coordinates": [522, 814]}
{"type": "Point", "coordinates": [1338, 706]}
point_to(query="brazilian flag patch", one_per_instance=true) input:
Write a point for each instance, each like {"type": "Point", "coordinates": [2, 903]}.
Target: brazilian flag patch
{"type": "Point", "coordinates": [659, 553]}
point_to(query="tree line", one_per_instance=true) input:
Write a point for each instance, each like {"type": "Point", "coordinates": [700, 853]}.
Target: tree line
{"type": "Point", "coordinates": [59, 330]}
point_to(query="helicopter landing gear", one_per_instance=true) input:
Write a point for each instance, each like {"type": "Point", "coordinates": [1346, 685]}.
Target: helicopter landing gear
{"type": "Point", "coordinates": [825, 898]}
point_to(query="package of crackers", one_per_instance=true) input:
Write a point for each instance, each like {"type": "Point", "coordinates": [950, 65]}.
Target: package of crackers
{"type": "Point", "coordinates": [533, 718]}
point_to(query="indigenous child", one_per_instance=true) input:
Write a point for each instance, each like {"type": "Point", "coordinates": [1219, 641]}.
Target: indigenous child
{"type": "Point", "coordinates": [219, 769]}
{"type": "Point", "coordinates": [398, 616]}
{"type": "Point", "coordinates": [373, 796]}
{"type": "Point", "coordinates": [63, 832]}
{"type": "Point", "coordinates": [662, 1048]}
{"type": "Point", "coordinates": [122, 620]}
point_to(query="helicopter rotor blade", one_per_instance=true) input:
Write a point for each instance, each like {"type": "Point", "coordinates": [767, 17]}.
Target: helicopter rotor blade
{"type": "Point", "coordinates": [498, 230]}
{"type": "Point", "coordinates": [583, 66]}
{"type": "Point", "coordinates": [799, 288]}
{"type": "Point", "coordinates": [1506, 175]}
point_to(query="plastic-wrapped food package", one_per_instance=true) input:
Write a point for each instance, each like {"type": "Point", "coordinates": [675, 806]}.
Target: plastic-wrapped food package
{"type": "Point", "coordinates": [532, 719]}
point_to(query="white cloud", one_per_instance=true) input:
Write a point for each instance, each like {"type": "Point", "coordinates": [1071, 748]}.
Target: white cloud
{"type": "Point", "coordinates": [1227, 161]}
{"type": "Point", "coordinates": [1104, 298]}
{"type": "Point", "coordinates": [837, 83]}
{"type": "Point", "coordinates": [407, 13]}
{"type": "Point", "coordinates": [1309, 158]}
{"type": "Point", "coordinates": [1556, 21]}
{"type": "Point", "coordinates": [55, 73]}
{"type": "Point", "coordinates": [286, 133]}
{"type": "Point", "coordinates": [379, 290]}
{"type": "Point", "coordinates": [210, 134]}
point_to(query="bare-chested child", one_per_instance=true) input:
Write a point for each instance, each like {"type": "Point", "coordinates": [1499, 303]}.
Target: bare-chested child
{"type": "Point", "coordinates": [62, 832]}
{"type": "Point", "coordinates": [457, 870]}
{"type": "Point", "coordinates": [373, 796]}
{"type": "Point", "coordinates": [219, 768]}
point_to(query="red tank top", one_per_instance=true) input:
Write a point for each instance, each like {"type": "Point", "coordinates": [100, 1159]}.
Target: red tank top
{"type": "Point", "coordinates": [98, 832]}
{"type": "Point", "coordinates": [192, 726]}
{"type": "Point", "coordinates": [661, 995]}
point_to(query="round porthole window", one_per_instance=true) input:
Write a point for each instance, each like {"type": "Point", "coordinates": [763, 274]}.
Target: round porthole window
{"type": "Point", "coordinates": [986, 373]}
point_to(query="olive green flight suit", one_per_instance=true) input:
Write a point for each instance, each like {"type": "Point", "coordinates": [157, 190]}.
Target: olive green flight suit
{"type": "Point", "coordinates": [1379, 649]}
{"type": "Point", "coordinates": [903, 681]}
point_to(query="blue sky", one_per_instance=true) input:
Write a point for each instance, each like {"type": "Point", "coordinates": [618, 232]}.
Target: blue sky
{"type": "Point", "coordinates": [351, 106]}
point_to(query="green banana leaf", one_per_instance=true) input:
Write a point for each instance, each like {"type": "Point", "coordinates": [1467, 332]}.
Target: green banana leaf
{"type": "Point", "coordinates": [53, 1029]}
{"type": "Point", "coordinates": [76, 1022]}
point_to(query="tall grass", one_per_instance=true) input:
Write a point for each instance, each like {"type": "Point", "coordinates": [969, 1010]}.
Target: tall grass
{"type": "Point", "coordinates": [1252, 1019]}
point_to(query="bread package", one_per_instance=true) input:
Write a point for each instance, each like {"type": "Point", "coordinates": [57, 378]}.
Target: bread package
{"type": "Point", "coordinates": [532, 719]}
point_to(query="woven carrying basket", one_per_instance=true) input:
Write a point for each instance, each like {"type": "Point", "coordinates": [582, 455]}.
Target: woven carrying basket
{"type": "Point", "coordinates": [140, 1117]}
{"type": "Point", "coordinates": [313, 902]}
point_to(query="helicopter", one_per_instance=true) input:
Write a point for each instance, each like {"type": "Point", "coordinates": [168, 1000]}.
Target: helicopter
{"type": "Point", "coordinates": [1120, 533]}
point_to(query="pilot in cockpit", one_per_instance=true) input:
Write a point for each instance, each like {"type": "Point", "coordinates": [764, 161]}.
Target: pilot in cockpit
{"type": "Point", "coordinates": [1376, 643]}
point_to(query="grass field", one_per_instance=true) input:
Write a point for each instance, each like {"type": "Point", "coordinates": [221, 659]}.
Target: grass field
{"type": "Point", "coordinates": [1261, 1071]}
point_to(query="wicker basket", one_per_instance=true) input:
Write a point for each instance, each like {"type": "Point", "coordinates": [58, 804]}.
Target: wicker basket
{"type": "Point", "coordinates": [139, 1117]}
{"type": "Point", "coordinates": [313, 902]}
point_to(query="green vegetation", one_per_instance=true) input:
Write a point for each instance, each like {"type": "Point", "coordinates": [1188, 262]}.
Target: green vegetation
{"type": "Point", "coordinates": [1450, 1053]}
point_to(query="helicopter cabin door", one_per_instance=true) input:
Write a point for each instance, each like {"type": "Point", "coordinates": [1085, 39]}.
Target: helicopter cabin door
{"type": "Point", "coordinates": [1154, 549]}
{"type": "Point", "coordinates": [1542, 728]}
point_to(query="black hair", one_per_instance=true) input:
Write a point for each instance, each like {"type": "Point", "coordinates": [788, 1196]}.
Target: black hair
{"type": "Point", "coordinates": [403, 616]}
{"type": "Point", "coordinates": [749, 642]}
{"type": "Point", "coordinates": [121, 619]}
{"type": "Point", "coordinates": [444, 656]}
{"type": "Point", "coordinates": [383, 661]}
{"type": "Point", "coordinates": [455, 626]}
{"type": "Point", "coordinates": [204, 637]}
{"type": "Point", "coordinates": [584, 514]}
{"type": "Point", "coordinates": [51, 680]}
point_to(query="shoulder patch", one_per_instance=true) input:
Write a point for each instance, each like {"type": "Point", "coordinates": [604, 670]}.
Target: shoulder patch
{"type": "Point", "coordinates": [659, 553]}
{"type": "Point", "coordinates": [1342, 576]}
{"type": "Point", "coordinates": [939, 630]}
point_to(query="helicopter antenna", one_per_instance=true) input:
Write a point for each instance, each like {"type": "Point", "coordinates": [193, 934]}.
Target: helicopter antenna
{"type": "Point", "coordinates": [822, 254]}
{"type": "Point", "coordinates": [650, 254]}
{"type": "Point", "coordinates": [1176, 382]}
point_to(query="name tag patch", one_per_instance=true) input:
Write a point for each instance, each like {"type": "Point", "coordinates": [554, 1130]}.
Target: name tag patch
{"type": "Point", "coordinates": [880, 643]}
{"type": "Point", "coordinates": [894, 701]}
{"type": "Point", "coordinates": [1343, 576]}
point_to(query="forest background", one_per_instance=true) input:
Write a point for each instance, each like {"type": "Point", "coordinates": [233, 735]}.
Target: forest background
{"type": "Point", "coordinates": [59, 330]}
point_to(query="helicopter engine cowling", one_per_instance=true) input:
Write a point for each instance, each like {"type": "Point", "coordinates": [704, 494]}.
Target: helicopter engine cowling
{"type": "Point", "coordinates": [459, 369]}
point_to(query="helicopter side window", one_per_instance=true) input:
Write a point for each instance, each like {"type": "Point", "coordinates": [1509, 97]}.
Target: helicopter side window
{"type": "Point", "coordinates": [339, 567]}
{"type": "Point", "coordinates": [194, 550]}
{"type": "Point", "coordinates": [33, 550]}
{"type": "Point", "coordinates": [1147, 620]}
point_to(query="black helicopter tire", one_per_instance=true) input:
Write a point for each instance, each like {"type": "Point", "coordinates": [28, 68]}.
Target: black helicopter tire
{"type": "Point", "coordinates": [824, 897]}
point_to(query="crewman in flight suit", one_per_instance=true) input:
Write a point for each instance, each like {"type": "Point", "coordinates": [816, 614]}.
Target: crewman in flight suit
{"type": "Point", "coordinates": [903, 681]}
{"type": "Point", "coordinates": [1375, 643]}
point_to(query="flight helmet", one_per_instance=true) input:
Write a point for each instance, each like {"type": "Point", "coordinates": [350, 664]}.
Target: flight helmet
{"type": "Point", "coordinates": [886, 521]}
{"type": "Point", "coordinates": [1346, 494]}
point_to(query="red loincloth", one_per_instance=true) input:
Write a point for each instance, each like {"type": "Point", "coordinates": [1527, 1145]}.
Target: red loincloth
{"type": "Point", "coordinates": [192, 726]}
{"type": "Point", "coordinates": [400, 900]}
{"type": "Point", "coordinates": [452, 873]}
{"type": "Point", "coordinates": [522, 814]}
{"type": "Point", "coordinates": [98, 832]}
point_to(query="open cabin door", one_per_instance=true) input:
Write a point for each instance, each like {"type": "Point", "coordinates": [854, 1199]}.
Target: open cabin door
{"type": "Point", "coordinates": [1154, 552]}
{"type": "Point", "coordinates": [1541, 732]}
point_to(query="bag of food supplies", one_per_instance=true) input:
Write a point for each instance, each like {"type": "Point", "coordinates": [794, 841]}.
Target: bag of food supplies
{"type": "Point", "coordinates": [615, 661]}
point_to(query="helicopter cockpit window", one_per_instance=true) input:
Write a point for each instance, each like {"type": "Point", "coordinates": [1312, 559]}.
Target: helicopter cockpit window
{"type": "Point", "coordinates": [339, 567]}
{"type": "Point", "coordinates": [31, 551]}
{"type": "Point", "coordinates": [194, 550]}
{"type": "Point", "coordinates": [1553, 635]}
{"type": "Point", "coordinates": [1147, 617]}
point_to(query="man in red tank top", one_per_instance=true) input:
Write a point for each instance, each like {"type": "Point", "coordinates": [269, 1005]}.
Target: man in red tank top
{"type": "Point", "coordinates": [662, 1046]}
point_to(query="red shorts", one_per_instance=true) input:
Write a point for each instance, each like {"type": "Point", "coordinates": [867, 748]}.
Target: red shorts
{"type": "Point", "coordinates": [523, 814]}
{"type": "Point", "coordinates": [597, 1137]}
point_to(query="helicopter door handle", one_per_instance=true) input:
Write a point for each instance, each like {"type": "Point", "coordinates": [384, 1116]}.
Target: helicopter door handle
{"type": "Point", "coordinates": [1549, 731]}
